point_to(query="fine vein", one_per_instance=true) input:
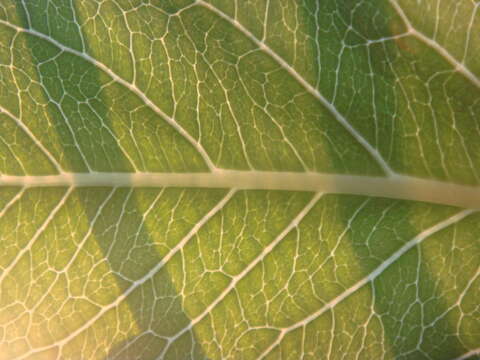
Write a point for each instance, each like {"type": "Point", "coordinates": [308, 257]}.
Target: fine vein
{"type": "Point", "coordinates": [458, 66]}
{"type": "Point", "coordinates": [372, 276]}
{"type": "Point", "coordinates": [327, 104]}
{"type": "Point", "coordinates": [198, 147]}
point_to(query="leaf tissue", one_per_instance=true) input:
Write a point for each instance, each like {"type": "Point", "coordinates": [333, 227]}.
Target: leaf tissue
{"type": "Point", "coordinates": [240, 179]}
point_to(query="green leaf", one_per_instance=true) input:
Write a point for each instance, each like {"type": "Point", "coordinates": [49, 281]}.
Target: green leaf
{"type": "Point", "coordinates": [239, 179]}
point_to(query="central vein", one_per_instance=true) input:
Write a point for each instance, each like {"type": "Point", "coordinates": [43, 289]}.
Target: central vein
{"type": "Point", "coordinates": [396, 187]}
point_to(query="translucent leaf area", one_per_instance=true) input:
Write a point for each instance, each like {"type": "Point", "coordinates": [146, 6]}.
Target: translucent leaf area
{"type": "Point", "coordinates": [140, 217]}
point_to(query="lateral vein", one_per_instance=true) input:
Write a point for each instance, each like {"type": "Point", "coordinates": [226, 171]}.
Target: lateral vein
{"type": "Point", "coordinates": [32, 137]}
{"type": "Point", "coordinates": [149, 275]}
{"type": "Point", "coordinates": [237, 278]}
{"type": "Point", "coordinates": [198, 147]}
{"type": "Point", "coordinates": [308, 87]}
{"type": "Point", "coordinates": [458, 66]}
{"type": "Point", "coordinates": [372, 276]}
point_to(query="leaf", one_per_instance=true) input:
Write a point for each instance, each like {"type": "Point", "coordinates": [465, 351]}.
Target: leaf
{"type": "Point", "coordinates": [239, 179]}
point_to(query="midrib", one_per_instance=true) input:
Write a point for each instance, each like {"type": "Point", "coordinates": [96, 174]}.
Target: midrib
{"type": "Point", "coordinates": [396, 187]}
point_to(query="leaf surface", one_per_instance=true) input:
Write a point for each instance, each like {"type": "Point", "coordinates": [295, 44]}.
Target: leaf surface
{"type": "Point", "coordinates": [239, 179]}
